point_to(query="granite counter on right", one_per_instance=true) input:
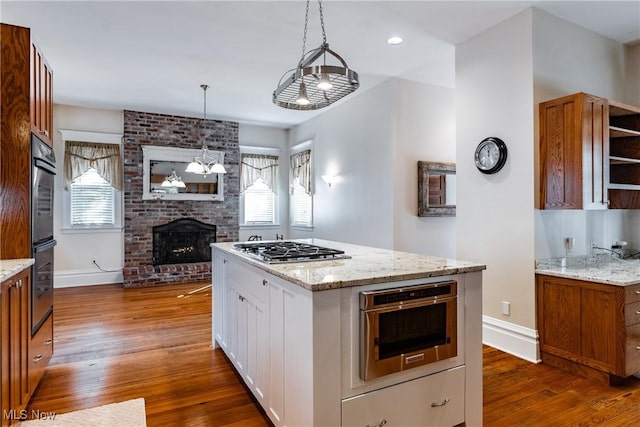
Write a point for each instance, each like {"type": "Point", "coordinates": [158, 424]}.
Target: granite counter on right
{"type": "Point", "coordinates": [588, 315]}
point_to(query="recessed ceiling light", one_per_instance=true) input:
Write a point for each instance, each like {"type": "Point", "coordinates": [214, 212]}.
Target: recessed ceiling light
{"type": "Point", "coordinates": [394, 40]}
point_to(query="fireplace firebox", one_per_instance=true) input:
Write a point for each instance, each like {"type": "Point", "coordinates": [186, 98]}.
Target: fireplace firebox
{"type": "Point", "coordinates": [182, 241]}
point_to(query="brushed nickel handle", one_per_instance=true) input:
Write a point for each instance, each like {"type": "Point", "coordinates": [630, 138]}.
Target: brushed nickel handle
{"type": "Point", "coordinates": [638, 347]}
{"type": "Point", "coordinates": [638, 292]}
{"type": "Point", "coordinates": [264, 282]}
{"type": "Point", "coordinates": [441, 403]}
{"type": "Point", "coordinates": [48, 342]}
{"type": "Point", "coordinates": [37, 358]}
{"type": "Point", "coordinates": [380, 424]}
{"type": "Point", "coordinates": [638, 313]}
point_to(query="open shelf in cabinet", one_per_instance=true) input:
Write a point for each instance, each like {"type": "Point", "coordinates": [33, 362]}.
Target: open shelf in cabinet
{"type": "Point", "coordinates": [624, 156]}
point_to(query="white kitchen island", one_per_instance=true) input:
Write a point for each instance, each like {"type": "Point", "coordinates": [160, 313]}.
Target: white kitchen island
{"type": "Point", "coordinates": [292, 331]}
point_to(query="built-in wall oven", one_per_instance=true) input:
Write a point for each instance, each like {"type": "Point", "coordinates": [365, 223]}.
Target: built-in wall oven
{"type": "Point", "coordinates": [402, 328]}
{"type": "Point", "coordinates": [42, 243]}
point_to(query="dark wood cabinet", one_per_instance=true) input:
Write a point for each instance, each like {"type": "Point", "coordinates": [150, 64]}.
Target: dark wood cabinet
{"type": "Point", "coordinates": [574, 152]}
{"type": "Point", "coordinates": [41, 96]}
{"type": "Point", "coordinates": [15, 337]}
{"type": "Point", "coordinates": [589, 328]}
{"type": "Point", "coordinates": [589, 154]}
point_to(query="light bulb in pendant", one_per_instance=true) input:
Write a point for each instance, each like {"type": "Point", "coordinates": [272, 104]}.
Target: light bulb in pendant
{"type": "Point", "coordinates": [302, 99]}
{"type": "Point", "coordinates": [324, 83]}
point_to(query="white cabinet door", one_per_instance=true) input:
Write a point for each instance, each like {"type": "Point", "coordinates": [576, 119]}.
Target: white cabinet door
{"type": "Point", "coordinates": [219, 284]}
{"type": "Point", "coordinates": [257, 347]}
{"type": "Point", "coordinates": [231, 321]}
{"type": "Point", "coordinates": [434, 400]}
{"type": "Point", "coordinates": [275, 401]}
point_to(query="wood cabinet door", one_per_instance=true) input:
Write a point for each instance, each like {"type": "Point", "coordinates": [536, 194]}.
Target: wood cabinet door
{"type": "Point", "coordinates": [602, 329]}
{"type": "Point", "coordinates": [574, 152]}
{"type": "Point", "coordinates": [558, 307]}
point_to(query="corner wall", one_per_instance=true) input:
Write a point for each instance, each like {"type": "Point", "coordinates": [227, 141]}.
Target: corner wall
{"type": "Point", "coordinates": [494, 97]}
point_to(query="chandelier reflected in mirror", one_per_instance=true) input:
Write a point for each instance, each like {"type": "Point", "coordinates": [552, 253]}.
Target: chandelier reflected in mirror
{"type": "Point", "coordinates": [173, 180]}
{"type": "Point", "coordinates": [205, 163]}
{"type": "Point", "coordinates": [311, 87]}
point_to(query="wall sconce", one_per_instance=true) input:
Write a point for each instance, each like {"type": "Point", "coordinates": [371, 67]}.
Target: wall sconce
{"type": "Point", "coordinates": [330, 179]}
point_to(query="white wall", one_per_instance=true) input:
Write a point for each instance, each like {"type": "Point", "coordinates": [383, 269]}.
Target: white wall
{"type": "Point", "coordinates": [354, 141]}
{"type": "Point", "coordinates": [270, 137]}
{"type": "Point", "coordinates": [424, 129]}
{"type": "Point", "coordinates": [569, 59]}
{"type": "Point", "coordinates": [373, 142]}
{"type": "Point", "coordinates": [75, 251]}
{"type": "Point", "coordinates": [494, 97]}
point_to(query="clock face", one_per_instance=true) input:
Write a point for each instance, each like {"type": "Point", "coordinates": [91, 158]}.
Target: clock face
{"type": "Point", "coordinates": [491, 155]}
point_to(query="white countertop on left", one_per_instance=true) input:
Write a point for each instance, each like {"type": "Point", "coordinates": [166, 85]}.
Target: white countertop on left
{"type": "Point", "coordinates": [11, 267]}
{"type": "Point", "coordinates": [367, 265]}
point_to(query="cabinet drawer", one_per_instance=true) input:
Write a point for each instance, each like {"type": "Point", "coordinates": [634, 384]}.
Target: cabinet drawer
{"type": "Point", "coordinates": [434, 400]}
{"type": "Point", "coordinates": [632, 313]}
{"type": "Point", "coordinates": [248, 281]}
{"type": "Point", "coordinates": [631, 294]}
{"type": "Point", "coordinates": [632, 350]}
{"type": "Point", "coordinates": [40, 352]}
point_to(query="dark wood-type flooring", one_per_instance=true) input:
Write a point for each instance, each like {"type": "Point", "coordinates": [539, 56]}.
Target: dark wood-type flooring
{"type": "Point", "coordinates": [114, 344]}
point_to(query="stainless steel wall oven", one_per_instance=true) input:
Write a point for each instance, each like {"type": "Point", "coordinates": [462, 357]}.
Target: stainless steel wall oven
{"type": "Point", "coordinates": [42, 242]}
{"type": "Point", "coordinates": [403, 328]}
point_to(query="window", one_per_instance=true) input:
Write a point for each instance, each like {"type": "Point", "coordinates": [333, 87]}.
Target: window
{"type": "Point", "coordinates": [259, 203]}
{"type": "Point", "coordinates": [258, 189]}
{"type": "Point", "coordinates": [301, 196]}
{"type": "Point", "coordinates": [301, 205]}
{"type": "Point", "coordinates": [93, 180]}
{"type": "Point", "coordinates": [92, 201]}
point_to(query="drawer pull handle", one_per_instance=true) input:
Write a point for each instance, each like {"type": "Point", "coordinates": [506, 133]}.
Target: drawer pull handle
{"type": "Point", "coordinates": [638, 292]}
{"type": "Point", "coordinates": [380, 424]}
{"type": "Point", "coordinates": [37, 358]}
{"type": "Point", "coordinates": [264, 282]}
{"type": "Point", "coordinates": [441, 403]}
{"type": "Point", "coordinates": [638, 347]}
{"type": "Point", "coordinates": [48, 342]}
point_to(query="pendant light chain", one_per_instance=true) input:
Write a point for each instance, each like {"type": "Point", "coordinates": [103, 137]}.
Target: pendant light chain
{"type": "Point", "coordinates": [306, 25]}
{"type": "Point", "coordinates": [324, 34]}
{"type": "Point", "coordinates": [304, 37]}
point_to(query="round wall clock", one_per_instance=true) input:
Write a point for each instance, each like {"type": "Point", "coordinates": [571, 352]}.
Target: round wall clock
{"type": "Point", "coordinates": [491, 155]}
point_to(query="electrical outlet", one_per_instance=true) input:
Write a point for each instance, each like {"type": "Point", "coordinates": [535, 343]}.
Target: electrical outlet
{"type": "Point", "coordinates": [506, 308]}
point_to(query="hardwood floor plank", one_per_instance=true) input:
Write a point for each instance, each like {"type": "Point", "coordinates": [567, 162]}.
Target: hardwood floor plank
{"type": "Point", "coordinates": [113, 344]}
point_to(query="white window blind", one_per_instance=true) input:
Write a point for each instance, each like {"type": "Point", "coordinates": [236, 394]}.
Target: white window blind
{"type": "Point", "coordinates": [259, 204]}
{"type": "Point", "coordinates": [301, 202]}
{"type": "Point", "coordinates": [92, 200]}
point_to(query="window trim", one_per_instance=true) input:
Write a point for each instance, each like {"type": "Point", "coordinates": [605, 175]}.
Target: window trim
{"type": "Point", "coordinates": [270, 151]}
{"type": "Point", "coordinates": [118, 205]}
{"type": "Point", "coordinates": [295, 149]}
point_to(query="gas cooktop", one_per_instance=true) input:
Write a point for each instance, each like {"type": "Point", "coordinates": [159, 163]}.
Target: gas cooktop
{"type": "Point", "coordinates": [281, 251]}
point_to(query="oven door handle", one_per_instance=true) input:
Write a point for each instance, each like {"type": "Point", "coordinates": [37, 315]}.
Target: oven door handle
{"type": "Point", "coordinates": [45, 246]}
{"type": "Point", "coordinates": [41, 164]}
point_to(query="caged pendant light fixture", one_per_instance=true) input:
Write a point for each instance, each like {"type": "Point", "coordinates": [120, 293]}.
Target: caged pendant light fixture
{"type": "Point", "coordinates": [309, 86]}
{"type": "Point", "coordinates": [205, 163]}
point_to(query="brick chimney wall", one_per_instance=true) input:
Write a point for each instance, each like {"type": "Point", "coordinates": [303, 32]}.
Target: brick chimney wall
{"type": "Point", "coordinates": [141, 215]}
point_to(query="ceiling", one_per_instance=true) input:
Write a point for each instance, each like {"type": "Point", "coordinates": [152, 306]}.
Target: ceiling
{"type": "Point", "coordinates": [153, 56]}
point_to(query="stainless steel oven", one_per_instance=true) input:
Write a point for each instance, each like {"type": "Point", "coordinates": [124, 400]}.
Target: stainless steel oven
{"type": "Point", "coordinates": [42, 243]}
{"type": "Point", "coordinates": [43, 173]}
{"type": "Point", "coordinates": [402, 328]}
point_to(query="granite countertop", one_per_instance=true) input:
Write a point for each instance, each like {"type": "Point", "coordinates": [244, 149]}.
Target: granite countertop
{"type": "Point", "coordinates": [366, 266]}
{"type": "Point", "coordinates": [11, 267]}
{"type": "Point", "coordinates": [601, 268]}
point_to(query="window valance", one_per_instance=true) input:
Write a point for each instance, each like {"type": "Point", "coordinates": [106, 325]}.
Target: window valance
{"type": "Point", "coordinates": [301, 169]}
{"type": "Point", "coordinates": [254, 166]}
{"type": "Point", "coordinates": [79, 157]}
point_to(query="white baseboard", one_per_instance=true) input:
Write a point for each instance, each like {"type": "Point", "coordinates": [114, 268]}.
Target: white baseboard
{"type": "Point", "coordinates": [511, 338]}
{"type": "Point", "coordinates": [71, 278]}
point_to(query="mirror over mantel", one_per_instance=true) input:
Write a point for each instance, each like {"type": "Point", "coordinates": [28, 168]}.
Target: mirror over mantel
{"type": "Point", "coordinates": [160, 162]}
{"type": "Point", "coordinates": [436, 189]}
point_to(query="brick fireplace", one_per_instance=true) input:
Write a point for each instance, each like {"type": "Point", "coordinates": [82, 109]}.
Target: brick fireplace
{"type": "Point", "coordinates": [140, 216]}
